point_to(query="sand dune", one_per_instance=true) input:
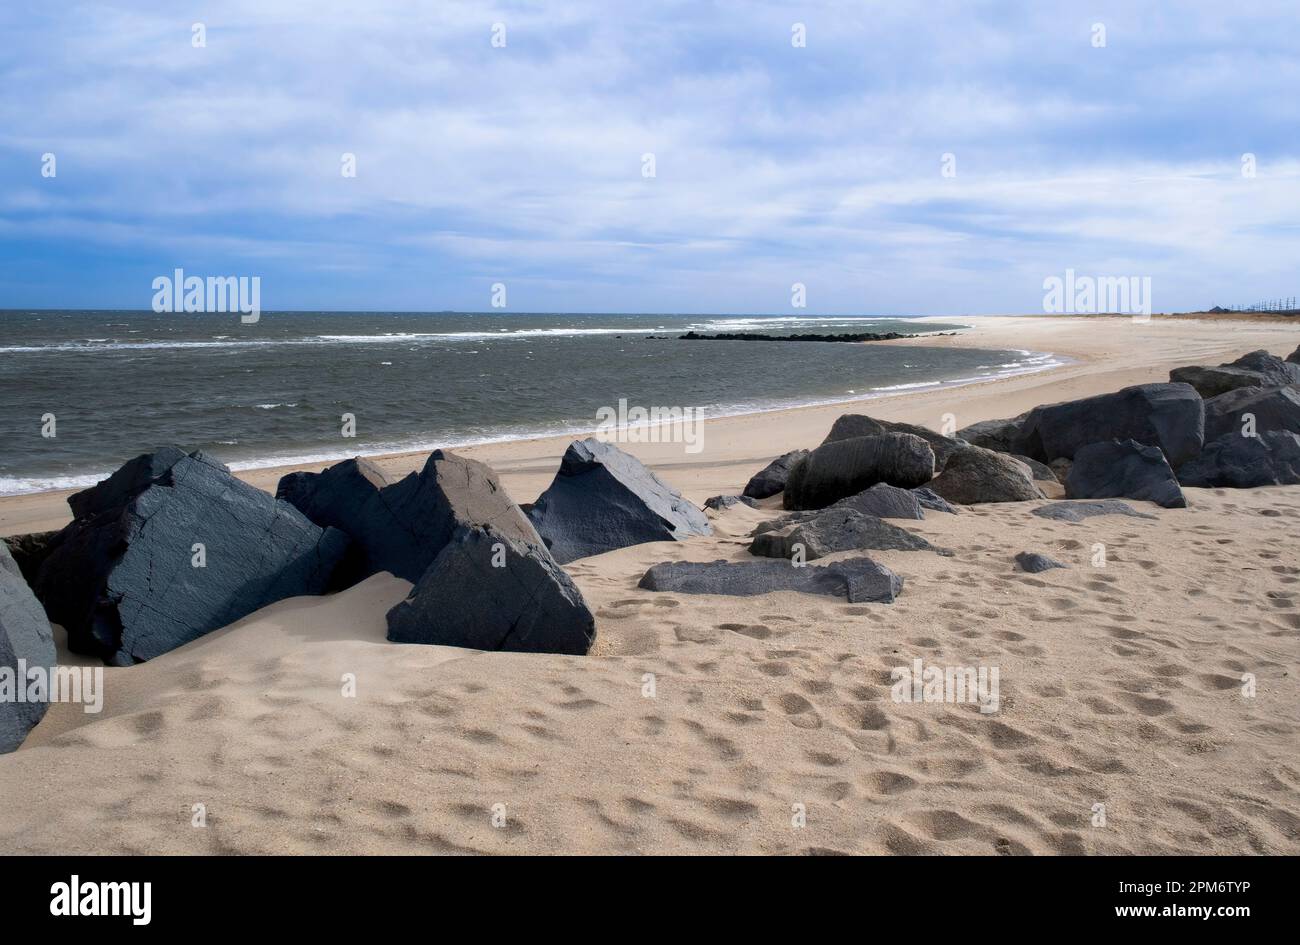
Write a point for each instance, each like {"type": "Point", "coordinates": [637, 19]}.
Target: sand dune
{"type": "Point", "coordinates": [1120, 685]}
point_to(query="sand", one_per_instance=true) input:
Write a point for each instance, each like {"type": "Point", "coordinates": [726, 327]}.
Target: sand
{"type": "Point", "coordinates": [770, 727]}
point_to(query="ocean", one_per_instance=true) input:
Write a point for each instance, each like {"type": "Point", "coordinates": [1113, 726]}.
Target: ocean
{"type": "Point", "coordinates": [121, 383]}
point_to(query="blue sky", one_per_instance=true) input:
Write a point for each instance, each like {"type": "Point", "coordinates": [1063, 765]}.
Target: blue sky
{"type": "Point", "coordinates": [774, 164]}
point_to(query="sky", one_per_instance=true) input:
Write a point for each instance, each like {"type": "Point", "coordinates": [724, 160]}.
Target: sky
{"type": "Point", "coordinates": [908, 159]}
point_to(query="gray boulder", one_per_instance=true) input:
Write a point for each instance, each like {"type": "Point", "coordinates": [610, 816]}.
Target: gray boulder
{"type": "Point", "coordinates": [123, 580]}
{"type": "Point", "coordinates": [1124, 469]}
{"type": "Point", "coordinates": [844, 468]}
{"type": "Point", "coordinates": [1078, 511]}
{"type": "Point", "coordinates": [1294, 356]}
{"type": "Point", "coordinates": [1279, 372]}
{"type": "Point", "coordinates": [1034, 563]}
{"type": "Point", "coordinates": [720, 503]}
{"type": "Point", "coordinates": [1040, 472]}
{"type": "Point", "coordinates": [1213, 381]}
{"type": "Point", "coordinates": [857, 580]}
{"type": "Point", "coordinates": [835, 530]}
{"type": "Point", "coordinates": [489, 590]}
{"type": "Point", "coordinates": [852, 425]}
{"type": "Point", "coordinates": [770, 480]}
{"type": "Point", "coordinates": [997, 435]}
{"type": "Point", "coordinates": [976, 475]}
{"type": "Point", "coordinates": [929, 499]}
{"type": "Point", "coordinates": [30, 551]}
{"type": "Point", "coordinates": [603, 499]}
{"type": "Point", "coordinates": [1274, 409]}
{"type": "Point", "coordinates": [1170, 416]}
{"type": "Point", "coordinates": [884, 501]}
{"type": "Point", "coordinates": [26, 643]}
{"type": "Point", "coordinates": [1233, 461]}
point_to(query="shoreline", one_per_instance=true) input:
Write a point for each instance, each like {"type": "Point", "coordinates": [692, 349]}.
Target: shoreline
{"type": "Point", "coordinates": [1104, 353]}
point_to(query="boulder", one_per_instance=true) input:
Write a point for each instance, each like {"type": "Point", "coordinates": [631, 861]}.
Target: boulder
{"type": "Point", "coordinates": [852, 425]}
{"type": "Point", "coordinates": [488, 589]}
{"type": "Point", "coordinates": [770, 480]}
{"type": "Point", "coordinates": [1233, 461]}
{"type": "Point", "coordinates": [976, 475]}
{"type": "Point", "coordinates": [1040, 472]}
{"type": "Point", "coordinates": [127, 580]}
{"type": "Point", "coordinates": [1279, 372]}
{"type": "Point", "coordinates": [1078, 511]}
{"type": "Point", "coordinates": [26, 643]}
{"type": "Point", "coordinates": [1034, 563]}
{"type": "Point", "coordinates": [1294, 356]}
{"type": "Point", "coordinates": [1170, 416]}
{"type": "Point", "coordinates": [720, 503]}
{"type": "Point", "coordinates": [857, 580]}
{"type": "Point", "coordinates": [1274, 409]}
{"type": "Point", "coordinates": [835, 530]}
{"type": "Point", "coordinates": [30, 551]}
{"type": "Point", "coordinates": [602, 499]}
{"type": "Point", "coordinates": [884, 501]}
{"type": "Point", "coordinates": [400, 527]}
{"type": "Point", "coordinates": [929, 499]}
{"type": "Point", "coordinates": [844, 468]}
{"type": "Point", "coordinates": [1060, 468]}
{"type": "Point", "coordinates": [1213, 381]}
{"type": "Point", "coordinates": [997, 435]}
{"type": "Point", "coordinates": [1124, 469]}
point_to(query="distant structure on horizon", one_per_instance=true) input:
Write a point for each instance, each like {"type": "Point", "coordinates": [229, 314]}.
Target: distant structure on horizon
{"type": "Point", "coordinates": [1276, 306]}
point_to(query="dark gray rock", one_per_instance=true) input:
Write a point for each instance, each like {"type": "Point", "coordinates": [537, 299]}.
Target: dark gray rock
{"type": "Point", "coordinates": [1078, 511]}
{"type": "Point", "coordinates": [489, 590]}
{"type": "Point", "coordinates": [852, 425]}
{"type": "Point", "coordinates": [884, 501]}
{"type": "Point", "coordinates": [121, 578]}
{"type": "Point", "coordinates": [1278, 371]}
{"type": "Point", "coordinates": [1060, 468]}
{"type": "Point", "coordinates": [1294, 356]}
{"type": "Point", "coordinates": [603, 499]}
{"type": "Point", "coordinates": [835, 530]}
{"type": "Point", "coordinates": [721, 503]}
{"type": "Point", "coordinates": [770, 480]}
{"type": "Point", "coordinates": [997, 435]}
{"type": "Point", "coordinates": [975, 475]}
{"type": "Point", "coordinates": [1275, 409]}
{"type": "Point", "coordinates": [1035, 563]}
{"type": "Point", "coordinates": [1040, 472]}
{"type": "Point", "coordinates": [1213, 381]}
{"type": "Point", "coordinates": [1244, 462]}
{"type": "Point", "coordinates": [30, 551]}
{"type": "Point", "coordinates": [930, 499]}
{"type": "Point", "coordinates": [857, 580]}
{"type": "Point", "coordinates": [1124, 469]}
{"type": "Point", "coordinates": [26, 643]}
{"type": "Point", "coordinates": [400, 527]}
{"type": "Point", "coordinates": [1170, 416]}
{"type": "Point", "coordinates": [844, 468]}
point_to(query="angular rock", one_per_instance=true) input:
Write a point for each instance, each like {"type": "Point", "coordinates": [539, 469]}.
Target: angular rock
{"type": "Point", "coordinates": [26, 643]}
{"type": "Point", "coordinates": [603, 499]}
{"type": "Point", "coordinates": [489, 590]}
{"type": "Point", "coordinates": [1234, 461]}
{"type": "Point", "coordinates": [1124, 469]}
{"type": "Point", "coordinates": [1040, 472]}
{"type": "Point", "coordinates": [1275, 409]}
{"type": "Point", "coordinates": [1078, 511]}
{"type": "Point", "coordinates": [1294, 356]}
{"type": "Point", "coordinates": [884, 501]}
{"type": "Point", "coordinates": [857, 580]}
{"type": "Point", "coordinates": [997, 435]}
{"type": "Point", "coordinates": [1034, 563]}
{"type": "Point", "coordinates": [852, 425]}
{"type": "Point", "coordinates": [400, 527]}
{"type": "Point", "coordinates": [975, 475]}
{"type": "Point", "coordinates": [1278, 371]}
{"type": "Point", "coordinates": [930, 499]}
{"type": "Point", "coordinates": [844, 468]}
{"type": "Point", "coordinates": [1170, 416]}
{"type": "Point", "coordinates": [721, 503]}
{"type": "Point", "coordinates": [1213, 381]}
{"type": "Point", "coordinates": [836, 530]}
{"type": "Point", "coordinates": [30, 552]}
{"type": "Point", "coordinates": [122, 578]}
{"type": "Point", "coordinates": [770, 480]}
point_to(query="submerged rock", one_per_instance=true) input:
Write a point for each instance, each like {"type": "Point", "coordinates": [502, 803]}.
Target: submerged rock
{"type": "Point", "coordinates": [171, 547]}
{"type": "Point", "coordinates": [771, 479]}
{"type": "Point", "coordinates": [603, 499]}
{"type": "Point", "coordinates": [844, 468]}
{"type": "Point", "coordinates": [26, 643]}
{"type": "Point", "coordinates": [1124, 469]}
{"type": "Point", "coordinates": [857, 580]}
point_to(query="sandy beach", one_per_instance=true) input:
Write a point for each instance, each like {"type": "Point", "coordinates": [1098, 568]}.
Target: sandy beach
{"type": "Point", "coordinates": [769, 727]}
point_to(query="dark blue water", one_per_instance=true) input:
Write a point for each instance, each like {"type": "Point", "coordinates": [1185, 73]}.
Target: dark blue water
{"type": "Point", "coordinates": [120, 383]}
